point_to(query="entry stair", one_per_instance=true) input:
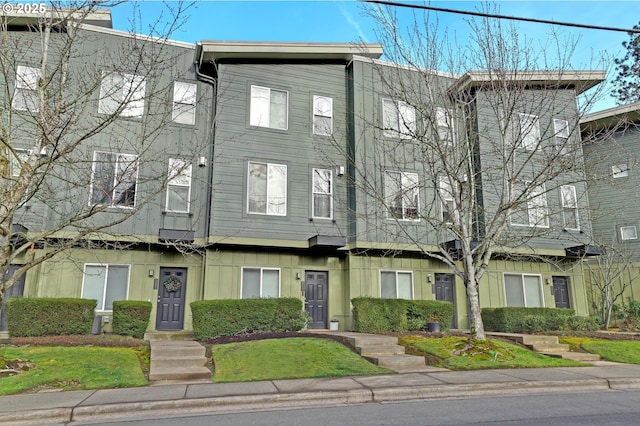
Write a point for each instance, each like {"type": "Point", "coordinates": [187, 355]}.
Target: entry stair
{"type": "Point", "coordinates": [547, 345]}
{"type": "Point", "coordinates": [176, 358]}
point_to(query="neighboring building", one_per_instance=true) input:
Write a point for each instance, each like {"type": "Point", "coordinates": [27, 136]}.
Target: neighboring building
{"type": "Point", "coordinates": [271, 203]}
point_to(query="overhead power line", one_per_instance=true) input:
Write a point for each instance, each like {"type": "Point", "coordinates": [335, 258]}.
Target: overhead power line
{"type": "Point", "coordinates": [493, 15]}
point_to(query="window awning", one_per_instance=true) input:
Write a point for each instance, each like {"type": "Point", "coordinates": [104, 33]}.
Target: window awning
{"type": "Point", "coordinates": [327, 241]}
{"type": "Point", "coordinates": [584, 250]}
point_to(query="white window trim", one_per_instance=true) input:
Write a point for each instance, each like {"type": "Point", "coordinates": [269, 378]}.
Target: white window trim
{"type": "Point", "coordinates": [135, 199]}
{"type": "Point", "coordinates": [261, 277]}
{"type": "Point", "coordinates": [26, 85]}
{"type": "Point", "coordinates": [132, 99]}
{"type": "Point", "coordinates": [104, 287]}
{"type": "Point", "coordinates": [317, 113]}
{"type": "Point", "coordinates": [399, 129]}
{"type": "Point", "coordinates": [531, 205]}
{"type": "Point", "coordinates": [628, 227]}
{"type": "Point", "coordinates": [18, 160]}
{"type": "Point", "coordinates": [445, 192]}
{"type": "Point", "coordinates": [268, 124]}
{"type": "Point", "coordinates": [619, 171]}
{"type": "Point", "coordinates": [396, 271]}
{"type": "Point", "coordinates": [524, 292]}
{"type": "Point", "coordinates": [563, 143]}
{"type": "Point", "coordinates": [445, 123]}
{"type": "Point", "coordinates": [314, 192]}
{"type": "Point", "coordinates": [185, 167]}
{"type": "Point", "coordinates": [572, 188]}
{"type": "Point", "coordinates": [405, 217]}
{"type": "Point", "coordinates": [286, 194]}
{"type": "Point", "coordinates": [525, 133]}
{"type": "Point", "coordinates": [184, 97]}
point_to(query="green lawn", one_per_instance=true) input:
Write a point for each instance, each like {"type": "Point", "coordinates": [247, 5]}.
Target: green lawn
{"type": "Point", "coordinates": [290, 358]}
{"type": "Point", "coordinates": [73, 368]}
{"type": "Point", "coordinates": [461, 353]}
{"type": "Point", "coordinates": [627, 351]}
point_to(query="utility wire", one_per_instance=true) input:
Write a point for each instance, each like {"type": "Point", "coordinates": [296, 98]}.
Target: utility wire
{"type": "Point", "coordinates": [492, 15]}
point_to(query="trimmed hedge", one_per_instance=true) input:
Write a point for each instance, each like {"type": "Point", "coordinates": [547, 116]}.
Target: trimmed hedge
{"type": "Point", "coordinates": [131, 317]}
{"type": "Point", "coordinates": [213, 318]}
{"type": "Point", "coordinates": [28, 317]}
{"type": "Point", "coordinates": [531, 320]}
{"type": "Point", "coordinates": [374, 315]}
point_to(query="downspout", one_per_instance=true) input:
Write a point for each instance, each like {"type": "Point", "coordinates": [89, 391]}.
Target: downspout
{"type": "Point", "coordinates": [214, 84]}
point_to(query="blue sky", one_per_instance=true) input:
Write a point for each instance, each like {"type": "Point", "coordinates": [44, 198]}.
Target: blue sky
{"type": "Point", "coordinates": [343, 21]}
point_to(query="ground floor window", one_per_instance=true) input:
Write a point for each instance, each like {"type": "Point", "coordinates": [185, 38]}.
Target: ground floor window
{"type": "Point", "coordinates": [260, 282]}
{"type": "Point", "coordinates": [523, 290]}
{"type": "Point", "coordinates": [396, 284]}
{"type": "Point", "coordinates": [105, 283]}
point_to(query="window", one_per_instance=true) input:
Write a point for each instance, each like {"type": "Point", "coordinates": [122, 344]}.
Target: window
{"type": "Point", "coordinates": [267, 189]}
{"type": "Point", "coordinates": [444, 122]}
{"type": "Point", "coordinates": [178, 186]}
{"type": "Point", "coordinates": [184, 103]}
{"type": "Point", "coordinates": [447, 206]}
{"type": "Point", "coordinates": [268, 108]}
{"type": "Point", "coordinates": [531, 210]}
{"type": "Point", "coordinates": [619, 171]}
{"type": "Point", "coordinates": [569, 206]}
{"type": "Point", "coordinates": [322, 116]}
{"type": "Point", "coordinates": [523, 290]}
{"type": "Point", "coordinates": [260, 282]}
{"type": "Point", "coordinates": [401, 195]}
{"type": "Point", "coordinates": [322, 194]}
{"type": "Point", "coordinates": [105, 283]}
{"type": "Point", "coordinates": [524, 132]}
{"type": "Point", "coordinates": [114, 179]}
{"type": "Point", "coordinates": [398, 119]}
{"type": "Point", "coordinates": [628, 233]}
{"type": "Point", "coordinates": [124, 92]}
{"type": "Point", "coordinates": [18, 158]}
{"type": "Point", "coordinates": [25, 97]}
{"type": "Point", "coordinates": [561, 127]}
{"type": "Point", "coordinates": [396, 285]}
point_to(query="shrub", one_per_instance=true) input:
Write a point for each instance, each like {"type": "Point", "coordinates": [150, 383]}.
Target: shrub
{"type": "Point", "coordinates": [583, 323]}
{"type": "Point", "coordinates": [512, 319]}
{"type": "Point", "coordinates": [28, 317]}
{"type": "Point", "coordinates": [374, 315]}
{"type": "Point", "coordinates": [213, 318]}
{"type": "Point", "coordinates": [534, 323]}
{"type": "Point", "coordinates": [131, 317]}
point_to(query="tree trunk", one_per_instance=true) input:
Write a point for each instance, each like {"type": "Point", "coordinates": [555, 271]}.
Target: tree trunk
{"type": "Point", "coordinates": [475, 320]}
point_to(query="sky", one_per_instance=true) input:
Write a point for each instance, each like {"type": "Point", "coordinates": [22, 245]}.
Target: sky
{"type": "Point", "coordinates": [344, 21]}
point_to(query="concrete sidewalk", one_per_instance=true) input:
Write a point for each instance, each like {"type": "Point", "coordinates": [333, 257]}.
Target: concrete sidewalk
{"type": "Point", "coordinates": [171, 400]}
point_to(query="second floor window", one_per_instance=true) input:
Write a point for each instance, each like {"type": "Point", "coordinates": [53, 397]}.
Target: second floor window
{"type": "Point", "coordinates": [25, 97]}
{"type": "Point", "coordinates": [619, 171]}
{"type": "Point", "coordinates": [401, 195]}
{"type": "Point", "coordinates": [19, 157]}
{"type": "Point", "coordinates": [524, 132]}
{"type": "Point", "coordinates": [322, 116]}
{"type": "Point", "coordinates": [179, 186]}
{"type": "Point", "coordinates": [184, 103]}
{"type": "Point", "coordinates": [398, 119]}
{"type": "Point", "coordinates": [322, 194]}
{"type": "Point", "coordinates": [268, 108]}
{"type": "Point", "coordinates": [530, 206]}
{"type": "Point", "coordinates": [114, 179]}
{"type": "Point", "coordinates": [444, 123]}
{"type": "Point", "coordinates": [628, 232]}
{"type": "Point", "coordinates": [446, 196]}
{"type": "Point", "coordinates": [122, 92]}
{"type": "Point", "coordinates": [569, 206]}
{"type": "Point", "coordinates": [561, 128]}
{"type": "Point", "coordinates": [267, 189]}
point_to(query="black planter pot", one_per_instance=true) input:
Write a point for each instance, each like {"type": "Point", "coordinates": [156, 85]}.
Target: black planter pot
{"type": "Point", "coordinates": [433, 327]}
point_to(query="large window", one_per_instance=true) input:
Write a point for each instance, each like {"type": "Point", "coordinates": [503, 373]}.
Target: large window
{"type": "Point", "coordinates": [260, 282]}
{"type": "Point", "coordinates": [530, 205]}
{"type": "Point", "coordinates": [569, 207]}
{"type": "Point", "coordinates": [25, 97]}
{"type": "Point", "coordinates": [524, 131]}
{"type": "Point", "coordinates": [268, 108]}
{"type": "Point", "coordinates": [401, 192]}
{"type": "Point", "coordinates": [122, 92]}
{"type": "Point", "coordinates": [396, 284]}
{"type": "Point", "coordinates": [105, 283]}
{"type": "Point", "coordinates": [322, 115]}
{"type": "Point", "coordinates": [114, 179]}
{"type": "Point", "coordinates": [398, 119]}
{"type": "Point", "coordinates": [561, 128]}
{"type": "Point", "coordinates": [444, 123]}
{"type": "Point", "coordinates": [179, 186]}
{"type": "Point", "coordinates": [447, 205]}
{"type": "Point", "coordinates": [267, 189]}
{"type": "Point", "coordinates": [184, 103]}
{"type": "Point", "coordinates": [322, 194]}
{"type": "Point", "coordinates": [523, 290]}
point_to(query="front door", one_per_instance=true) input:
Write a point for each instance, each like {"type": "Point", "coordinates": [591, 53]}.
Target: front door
{"type": "Point", "coordinates": [561, 292]}
{"type": "Point", "coordinates": [445, 291]}
{"type": "Point", "coordinates": [316, 298]}
{"type": "Point", "coordinates": [16, 290]}
{"type": "Point", "coordinates": [171, 297]}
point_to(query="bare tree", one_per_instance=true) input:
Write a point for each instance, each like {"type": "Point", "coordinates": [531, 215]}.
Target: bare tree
{"type": "Point", "coordinates": [83, 115]}
{"type": "Point", "coordinates": [470, 165]}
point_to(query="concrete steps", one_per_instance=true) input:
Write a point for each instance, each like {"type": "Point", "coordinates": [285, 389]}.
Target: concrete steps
{"type": "Point", "coordinates": [547, 345]}
{"type": "Point", "coordinates": [177, 361]}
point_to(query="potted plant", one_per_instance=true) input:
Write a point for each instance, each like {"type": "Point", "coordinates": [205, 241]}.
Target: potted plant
{"type": "Point", "coordinates": [433, 324]}
{"type": "Point", "coordinates": [334, 324]}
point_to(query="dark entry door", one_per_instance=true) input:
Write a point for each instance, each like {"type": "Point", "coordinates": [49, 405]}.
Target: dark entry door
{"type": "Point", "coordinates": [171, 298]}
{"type": "Point", "coordinates": [445, 291]}
{"type": "Point", "coordinates": [561, 292]}
{"type": "Point", "coordinates": [316, 298]}
{"type": "Point", "coordinates": [15, 290]}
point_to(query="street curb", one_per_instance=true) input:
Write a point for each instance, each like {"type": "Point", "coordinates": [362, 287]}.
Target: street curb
{"type": "Point", "coordinates": [36, 417]}
{"type": "Point", "coordinates": [624, 383]}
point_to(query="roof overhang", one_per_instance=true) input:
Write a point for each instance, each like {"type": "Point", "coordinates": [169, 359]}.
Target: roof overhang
{"type": "Point", "coordinates": [611, 117]}
{"type": "Point", "coordinates": [584, 250]}
{"type": "Point", "coordinates": [97, 17]}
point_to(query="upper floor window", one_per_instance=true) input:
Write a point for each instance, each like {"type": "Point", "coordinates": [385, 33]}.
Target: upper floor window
{"type": "Point", "coordinates": [401, 193]}
{"type": "Point", "coordinates": [569, 206]}
{"type": "Point", "coordinates": [396, 285]}
{"type": "Point", "coordinates": [260, 282]}
{"type": "Point", "coordinates": [106, 284]}
{"type": "Point", "coordinates": [122, 92]}
{"type": "Point", "coordinates": [447, 207]}
{"type": "Point", "coordinates": [269, 108]}
{"type": "Point", "coordinates": [322, 115]}
{"type": "Point", "coordinates": [267, 189]}
{"type": "Point", "coordinates": [524, 131]}
{"type": "Point", "coordinates": [322, 194]}
{"type": "Point", "coordinates": [114, 179]}
{"type": "Point", "coordinates": [523, 290]}
{"type": "Point", "coordinates": [18, 158]}
{"type": "Point", "coordinates": [628, 232]}
{"type": "Point", "coordinates": [25, 97]}
{"type": "Point", "coordinates": [184, 103]}
{"type": "Point", "coordinates": [444, 123]}
{"type": "Point", "coordinates": [398, 119]}
{"type": "Point", "coordinates": [619, 171]}
{"type": "Point", "coordinates": [561, 128]}
{"type": "Point", "coordinates": [178, 186]}
{"type": "Point", "coordinates": [531, 205]}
